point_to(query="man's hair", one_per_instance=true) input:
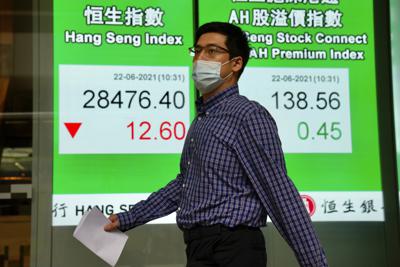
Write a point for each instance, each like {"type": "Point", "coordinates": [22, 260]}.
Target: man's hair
{"type": "Point", "coordinates": [236, 39]}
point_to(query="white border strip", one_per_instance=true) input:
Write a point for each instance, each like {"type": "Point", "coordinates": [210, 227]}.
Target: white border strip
{"type": "Point", "coordinates": [323, 206]}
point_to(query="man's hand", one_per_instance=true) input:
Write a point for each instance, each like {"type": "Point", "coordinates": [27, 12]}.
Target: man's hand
{"type": "Point", "coordinates": [113, 225]}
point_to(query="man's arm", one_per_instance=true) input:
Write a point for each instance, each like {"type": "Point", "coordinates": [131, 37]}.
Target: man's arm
{"type": "Point", "coordinates": [158, 204]}
{"type": "Point", "coordinates": [259, 150]}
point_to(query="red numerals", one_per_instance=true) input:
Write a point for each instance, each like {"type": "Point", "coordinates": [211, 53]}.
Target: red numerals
{"type": "Point", "coordinates": [179, 130]}
{"type": "Point", "coordinates": [167, 130]}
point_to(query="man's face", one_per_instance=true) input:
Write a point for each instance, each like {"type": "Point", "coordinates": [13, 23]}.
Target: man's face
{"type": "Point", "coordinates": [212, 47]}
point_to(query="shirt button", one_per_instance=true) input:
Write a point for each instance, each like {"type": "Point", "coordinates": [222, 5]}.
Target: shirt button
{"type": "Point", "coordinates": [207, 113]}
{"type": "Point", "coordinates": [183, 185]}
{"type": "Point", "coordinates": [188, 162]}
{"type": "Point", "coordinates": [191, 140]}
{"type": "Point", "coordinates": [199, 118]}
{"type": "Point", "coordinates": [179, 208]}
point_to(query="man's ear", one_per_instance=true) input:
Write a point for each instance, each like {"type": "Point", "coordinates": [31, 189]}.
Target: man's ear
{"type": "Point", "coordinates": [237, 64]}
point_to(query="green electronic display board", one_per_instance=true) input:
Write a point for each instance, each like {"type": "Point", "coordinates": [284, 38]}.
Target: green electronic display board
{"type": "Point", "coordinates": [124, 98]}
{"type": "Point", "coordinates": [312, 65]}
{"type": "Point", "coordinates": [123, 101]}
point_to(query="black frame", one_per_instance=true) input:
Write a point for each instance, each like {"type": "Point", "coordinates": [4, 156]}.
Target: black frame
{"type": "Point", "coordinates": [387, 139]}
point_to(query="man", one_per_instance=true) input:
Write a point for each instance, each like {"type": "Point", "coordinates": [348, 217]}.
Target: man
{"type": "Point", "coordinates": [232, 170]}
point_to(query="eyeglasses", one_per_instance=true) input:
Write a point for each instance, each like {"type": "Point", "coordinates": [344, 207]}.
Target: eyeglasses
{"type": "Point", "coordinates": [209, 50]}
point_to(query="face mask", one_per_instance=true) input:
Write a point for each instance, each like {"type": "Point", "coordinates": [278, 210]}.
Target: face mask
{"type": "Point", "coordinates": [206, 75]}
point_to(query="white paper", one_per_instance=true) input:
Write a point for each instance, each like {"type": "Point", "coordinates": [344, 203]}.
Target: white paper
{"type": "Point", "coordinates": [90, 232]}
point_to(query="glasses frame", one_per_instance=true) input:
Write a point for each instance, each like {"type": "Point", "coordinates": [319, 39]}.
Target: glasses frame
{"type": "Point", "coordinates": [196, 50]}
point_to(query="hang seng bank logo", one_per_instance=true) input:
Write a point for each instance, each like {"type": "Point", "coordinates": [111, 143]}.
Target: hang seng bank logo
{"type": "Point", "coordinates": [309, 203]}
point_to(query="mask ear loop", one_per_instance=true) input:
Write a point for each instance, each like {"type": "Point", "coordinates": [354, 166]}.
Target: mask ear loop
{"type": "Point", "coordinates": [227, 76]}
{"type": "Point", "coordinates": [230, 74]}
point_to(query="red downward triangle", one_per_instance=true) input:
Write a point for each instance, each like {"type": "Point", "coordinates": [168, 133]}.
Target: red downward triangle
{"type": "Point", "coordinates": [73, 127]}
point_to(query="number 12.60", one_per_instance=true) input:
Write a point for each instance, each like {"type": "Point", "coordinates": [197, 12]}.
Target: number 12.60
{"type": "Point", "coordinates": [167, 130]}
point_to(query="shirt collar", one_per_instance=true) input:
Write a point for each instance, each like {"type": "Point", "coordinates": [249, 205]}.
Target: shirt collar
{"type": "Point", "coordinates": [217, 99]}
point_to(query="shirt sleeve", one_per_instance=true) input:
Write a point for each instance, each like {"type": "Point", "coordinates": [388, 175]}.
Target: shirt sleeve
{"type": "Point", "coordinates": [157, 205]}
{"type": "Point", "coordinates": [259, 150]}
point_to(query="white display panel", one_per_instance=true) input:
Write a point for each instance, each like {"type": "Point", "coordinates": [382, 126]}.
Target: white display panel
{"type": "Point", "coordinates": [122, 109]}
{"type": "Point", "coordinates": [311, 106]}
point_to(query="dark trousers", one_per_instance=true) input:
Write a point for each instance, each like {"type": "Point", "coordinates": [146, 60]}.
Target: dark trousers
{"type": "Point", "coordinates": [219, 246]}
